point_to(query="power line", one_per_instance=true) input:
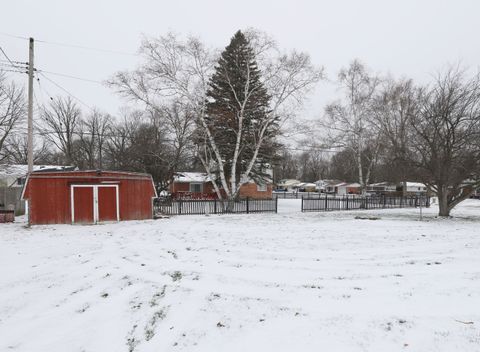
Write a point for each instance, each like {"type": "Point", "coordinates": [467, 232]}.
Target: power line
{"type": "Point", "coordinates": [74, 46]}
{"type": "Point", "coordinates": [15, 71]}
{"type": "Point", "coordinates": [15, 62]}
{"type": "Point", "coordinates": [65, 90]}
{"type": "Point", "coordinates": [70, 76]}
{"type": "Point", "coordinates": [14, 36]}
{"type": "Point", "coordinates": [5, 54]}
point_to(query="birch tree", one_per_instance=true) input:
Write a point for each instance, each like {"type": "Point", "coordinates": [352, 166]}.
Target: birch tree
{"type": "Point", "coordinates": [177, 69]}
{"type": "Point", "coordinates": [348, 122]}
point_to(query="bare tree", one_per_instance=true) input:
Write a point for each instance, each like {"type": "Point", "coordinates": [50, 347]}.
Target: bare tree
{"type": "Point", "coordinates": [119, 141]}
{"type": "Point", "coordinates": [16, 149]}
{"type": "Point", "coordinates": [61, 120]}
{"type": "Point", "coordinates": [179, 70]}
{"type": "Point", "coordinates": [445, 148]}
{"type": "Point", "coordinates": [12, 111]}
{"type": "Point", "coordinates": [92, 133]}
{"type": "Point", "coordinates": [394, 107]}
{"type": "Point", "coordinates": [349, 122]}
{"type": "Point", "coordinates": [176, 123]}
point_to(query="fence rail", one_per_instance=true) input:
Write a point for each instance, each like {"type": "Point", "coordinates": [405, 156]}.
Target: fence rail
{"type": "Point", "coordinates": [297, 195]}
{"type": "Point", "coordinates": [326, 203]}
{"type": "Point", "coordinates": [170, 206]}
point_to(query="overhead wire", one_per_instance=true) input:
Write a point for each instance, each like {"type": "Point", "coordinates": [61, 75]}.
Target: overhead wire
{"type": "Point", "coordinates": [74, 46]}
{"type": "Point", "coordinates": [65, 90]}
{"type": "Point", "coordinates": [5, 54]}
{"type": "Point", "coordinates": [43, 73]}
{"type": "Point", "coordinates": [70, 76]}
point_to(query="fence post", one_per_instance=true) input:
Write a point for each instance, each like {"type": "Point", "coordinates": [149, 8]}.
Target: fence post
{"type": "Point", "coordinates": [346, 203]}
{"type": "Point", "coordinates": [247, 206]}
{"type": "Point", "coordinates": [302, 204]}
{"type": "Point", "coordinates": [214, 205]}
{"type": "Point", "coordinates": [180, 207]}
{"type": "Point", "coordinates": [326, 202]}
{"type": "Point", "coordinates": [276, 205]}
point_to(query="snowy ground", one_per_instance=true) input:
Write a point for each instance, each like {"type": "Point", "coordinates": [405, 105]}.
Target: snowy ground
{"type": "Point", "coordinates": [264, 282]}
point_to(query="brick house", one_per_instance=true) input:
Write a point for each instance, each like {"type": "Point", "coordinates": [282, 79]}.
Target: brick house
{"type": "Point", "coordinates": [197, 185]}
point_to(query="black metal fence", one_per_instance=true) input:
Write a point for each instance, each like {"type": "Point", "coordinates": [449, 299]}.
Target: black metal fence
{"type": "Point", "coordinates": [168, 206]}
{"type": "Point", "coordinates": [327, 203]}
{"type": "Point", "coordinates": [297, 195]}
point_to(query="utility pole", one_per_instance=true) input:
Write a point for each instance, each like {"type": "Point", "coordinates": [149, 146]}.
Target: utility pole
{"type": "Point", "coordinates": [30, 107]}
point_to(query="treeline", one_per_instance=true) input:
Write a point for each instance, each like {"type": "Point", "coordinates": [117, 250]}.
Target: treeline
{"type": "Point", "coordinates": [64, 134]}
{"type": "Point", "coordinates": [226, 114]}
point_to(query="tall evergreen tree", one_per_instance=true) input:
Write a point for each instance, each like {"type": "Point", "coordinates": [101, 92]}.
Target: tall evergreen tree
{"type": "Point", "coordinates": [238, 116]}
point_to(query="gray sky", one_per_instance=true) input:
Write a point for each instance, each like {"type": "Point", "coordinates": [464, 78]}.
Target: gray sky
{"type": "Point", "coordinates": [405, 38]}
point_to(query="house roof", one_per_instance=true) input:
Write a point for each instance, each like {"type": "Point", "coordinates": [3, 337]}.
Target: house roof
{"type": "Point", "coordinates": [415, 184]}
{"type": "Point", "coordinates": [289, 182]}
{"type": "Point", "coordinates": [191, 177]}
{"type": "Point", "coordinates": [324, 183]}
{"type": "Point", "coordinates": [384, 183]}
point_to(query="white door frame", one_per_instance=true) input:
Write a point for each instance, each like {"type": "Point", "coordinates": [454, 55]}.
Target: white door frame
{"type": "Point", "coordinates": [95, 200]}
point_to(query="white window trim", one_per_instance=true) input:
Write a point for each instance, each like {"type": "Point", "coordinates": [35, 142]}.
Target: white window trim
{"type": "Point", "coordinates": [262, 187]}
{"type": "Point", "coordinates": [195, 183]}
{"type": "Point", "coordinates": [95, 200]}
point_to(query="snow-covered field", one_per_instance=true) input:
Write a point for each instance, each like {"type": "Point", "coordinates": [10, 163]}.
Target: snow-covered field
{"type": "Point", "coordinates": [264, 282]}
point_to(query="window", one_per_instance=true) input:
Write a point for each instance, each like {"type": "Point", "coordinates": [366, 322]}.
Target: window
{"type": "Point", "coordinates": [261, 187]}
{"type": "Point", "coordinates": [196, 187]}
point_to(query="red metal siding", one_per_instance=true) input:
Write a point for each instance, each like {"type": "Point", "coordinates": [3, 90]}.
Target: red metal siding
{"type": "Point", "coordinates": [83, 205]}
{"type": "Point", "coordinates": [107, 204]}
{"type": "Point", "coordinates": [49, 200]}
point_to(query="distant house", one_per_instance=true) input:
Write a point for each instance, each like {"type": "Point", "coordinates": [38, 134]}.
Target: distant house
{"type": "Point", "coordinates": [382, 188]}
{"type": "Point", "coordinates": [348, 188]}
{"type": "Point", "coordinates": [330, 186]}
{"type": "Point", "coordinates": [308, 187]}
{"type": "Point", "coordinates": [198, 185]}
{"type": "Point", "coordinates": [414, 188]}
{"type": "Point", "coordinates": [288, 185]}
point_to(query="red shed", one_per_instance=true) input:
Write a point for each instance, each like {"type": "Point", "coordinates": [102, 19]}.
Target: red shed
{"type": "Point", "coordinates": [88, 197]}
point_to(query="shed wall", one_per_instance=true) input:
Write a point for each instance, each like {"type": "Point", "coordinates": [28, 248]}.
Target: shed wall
{"type": "Point", "coordinates": [50, 200]}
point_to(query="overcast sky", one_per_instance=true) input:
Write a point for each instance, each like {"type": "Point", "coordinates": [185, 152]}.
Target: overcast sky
{"type": "Point", "coordinates": [411, 38]}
